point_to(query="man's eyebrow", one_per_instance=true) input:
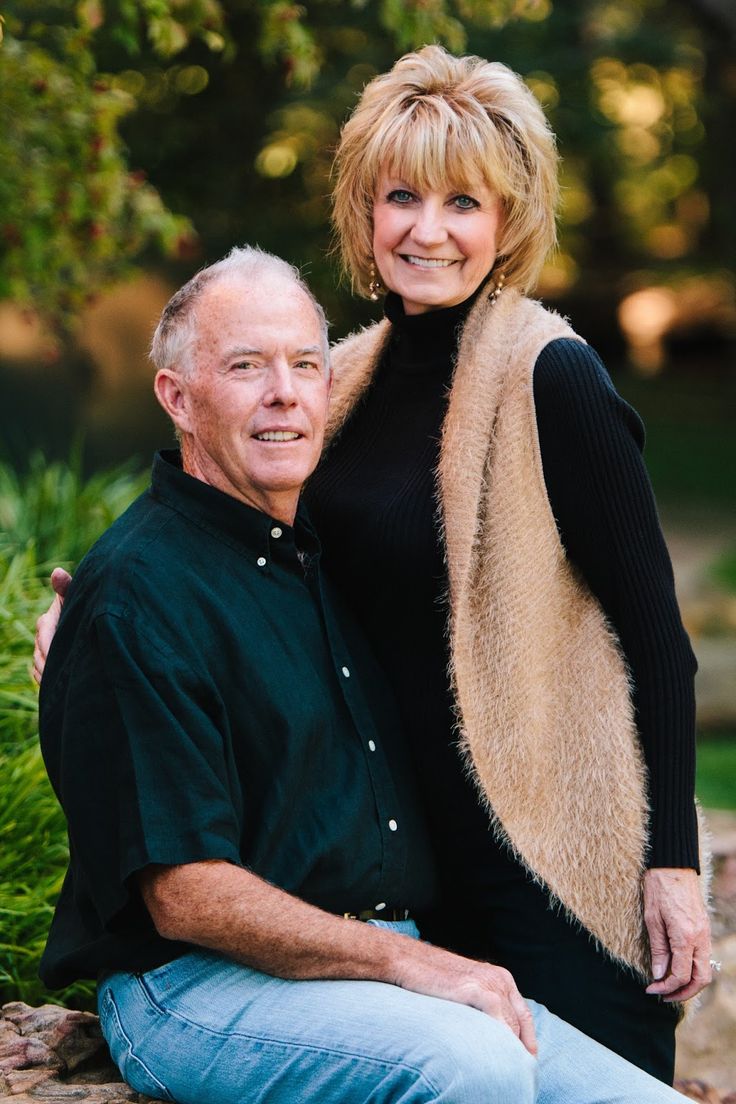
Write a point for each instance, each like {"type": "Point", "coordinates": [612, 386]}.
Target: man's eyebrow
{"type": "Point", "coordinates": [242, 350]}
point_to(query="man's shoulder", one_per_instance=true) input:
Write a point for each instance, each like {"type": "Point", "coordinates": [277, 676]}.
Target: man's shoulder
{"type": "Point", "coordinates": [131, 560]}
{"type": "Point", "coordinates": [135, 582]}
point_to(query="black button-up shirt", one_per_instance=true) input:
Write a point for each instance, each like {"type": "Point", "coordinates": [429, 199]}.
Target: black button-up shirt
{"type": "Point", "coordinates": [204, 698]}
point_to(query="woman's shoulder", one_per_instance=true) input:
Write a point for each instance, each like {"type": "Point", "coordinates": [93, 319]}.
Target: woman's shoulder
{"type": "Point", "coordinates": [358, 345]}
{"type": "Point", "coordinates": [572, 383]}
{"type": "Point", "coordinates": [353, 361]}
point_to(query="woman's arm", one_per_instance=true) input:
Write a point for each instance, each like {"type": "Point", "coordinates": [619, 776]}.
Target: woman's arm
{"type": "Point", "coordinates": [602, 500]}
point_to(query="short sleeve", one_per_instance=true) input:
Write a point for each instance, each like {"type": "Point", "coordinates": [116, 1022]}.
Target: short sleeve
{"type": "Point", "coordinates": [147, 771]}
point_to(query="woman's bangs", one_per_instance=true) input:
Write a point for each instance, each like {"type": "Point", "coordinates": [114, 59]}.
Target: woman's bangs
{"type": "Point", "coordinates": [439, 151]}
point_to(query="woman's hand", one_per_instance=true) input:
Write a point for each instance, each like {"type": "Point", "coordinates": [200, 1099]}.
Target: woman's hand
{"type": "Point", "coordinates": [679, 933]}
{"type": "Point", "coordinates": [47, 622]}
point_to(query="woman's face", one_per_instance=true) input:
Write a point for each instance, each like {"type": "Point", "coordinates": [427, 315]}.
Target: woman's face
{"type": "Point", "coordinates": [433, 248]}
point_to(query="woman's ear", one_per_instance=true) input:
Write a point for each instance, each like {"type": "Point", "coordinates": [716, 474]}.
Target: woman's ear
{"type": "Point", "coordinates": [172, 392]}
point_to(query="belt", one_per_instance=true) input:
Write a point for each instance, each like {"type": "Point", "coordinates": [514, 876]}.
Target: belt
{"type": "Point", "coordinates": [378, 914]}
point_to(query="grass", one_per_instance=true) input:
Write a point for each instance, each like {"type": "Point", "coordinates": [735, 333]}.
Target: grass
{"type": "Point", "coordinates": [716, 773]}
{"type": "Point", "coordinates": [49, 516]}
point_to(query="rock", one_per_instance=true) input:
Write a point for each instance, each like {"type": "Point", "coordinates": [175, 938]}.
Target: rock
{"type": "Point", "coordinates": [706, 1042]}
{"type": "Point", "coordinates": [57, 1056]}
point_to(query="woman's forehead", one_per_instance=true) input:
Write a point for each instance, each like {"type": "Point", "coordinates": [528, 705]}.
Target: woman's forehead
{"type": "Point", "coordinates": [428, 175]}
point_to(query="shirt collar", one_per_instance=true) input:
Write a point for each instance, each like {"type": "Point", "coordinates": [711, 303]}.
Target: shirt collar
{"type": "Point", "coordinates": [239, 525]}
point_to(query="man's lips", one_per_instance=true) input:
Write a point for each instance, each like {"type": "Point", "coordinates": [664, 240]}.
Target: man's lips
{"type": "Point", "coordinates": [279, 435]}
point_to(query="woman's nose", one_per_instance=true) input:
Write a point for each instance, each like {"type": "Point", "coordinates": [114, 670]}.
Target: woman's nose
{"type": "Point", "coordinates": [429, 227]}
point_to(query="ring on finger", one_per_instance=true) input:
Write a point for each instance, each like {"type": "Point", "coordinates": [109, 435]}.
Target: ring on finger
{"type": "Point", "coordinates": [716, 966]}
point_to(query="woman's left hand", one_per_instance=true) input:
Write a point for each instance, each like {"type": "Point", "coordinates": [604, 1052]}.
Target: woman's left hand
{"type": "Point", "coordinates": [679, 933]}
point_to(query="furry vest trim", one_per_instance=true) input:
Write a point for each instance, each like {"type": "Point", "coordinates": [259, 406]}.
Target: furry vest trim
{"type": "Point", "coordinates": [542, 692]}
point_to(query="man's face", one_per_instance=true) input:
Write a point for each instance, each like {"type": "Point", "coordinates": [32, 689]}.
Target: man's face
{"type": "Point", "coordinates": [253, 410]}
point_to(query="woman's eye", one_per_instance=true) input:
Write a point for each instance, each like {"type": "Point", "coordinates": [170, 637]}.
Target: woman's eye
{"type": "Point", "coordinates": [465, 202]}
{"type": "Point", "coordinates": [400, 195]}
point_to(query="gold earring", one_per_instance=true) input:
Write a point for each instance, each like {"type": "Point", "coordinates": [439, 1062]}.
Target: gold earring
{"type": "Point", "coordinates": [498, 285]}
{"type": "Point", "coordinates": [375, 284]}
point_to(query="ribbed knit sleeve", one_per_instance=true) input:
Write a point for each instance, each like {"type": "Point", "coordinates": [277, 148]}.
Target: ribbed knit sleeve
{"type": "Point", "coordinates": [591, 444]}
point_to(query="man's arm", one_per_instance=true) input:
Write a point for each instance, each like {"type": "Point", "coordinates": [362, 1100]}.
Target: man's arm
{"type": "Point", "coordinates": [230, 910]}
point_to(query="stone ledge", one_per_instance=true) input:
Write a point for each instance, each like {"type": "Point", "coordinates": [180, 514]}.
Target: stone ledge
{"type": "Point", "coordinates": [57, 1056]}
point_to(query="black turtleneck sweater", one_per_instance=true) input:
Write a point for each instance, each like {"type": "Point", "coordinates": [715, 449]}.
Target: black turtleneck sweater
{"type": "Point", "coordinates": [373, 500]}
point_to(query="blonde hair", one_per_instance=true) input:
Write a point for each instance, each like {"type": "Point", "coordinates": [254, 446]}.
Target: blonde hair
{"type": "Point", "coordinates": [446, 122]}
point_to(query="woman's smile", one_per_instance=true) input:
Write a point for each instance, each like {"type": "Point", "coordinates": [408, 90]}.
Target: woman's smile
{"type": "Point", "coordinates": [433, 247]}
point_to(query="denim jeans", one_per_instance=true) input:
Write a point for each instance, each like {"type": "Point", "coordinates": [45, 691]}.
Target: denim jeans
{"type": "Point", "coordinates": [205, 1030]}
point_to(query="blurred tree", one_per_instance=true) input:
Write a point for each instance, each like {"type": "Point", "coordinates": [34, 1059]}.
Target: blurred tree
{"type": "Point", "coordinates": [115, 115]}
{"type": "Point", "coordinates": [73, 214]}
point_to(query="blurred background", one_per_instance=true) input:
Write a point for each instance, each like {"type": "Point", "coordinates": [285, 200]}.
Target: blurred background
{"type": "Point", "coordinates": [140, 139]}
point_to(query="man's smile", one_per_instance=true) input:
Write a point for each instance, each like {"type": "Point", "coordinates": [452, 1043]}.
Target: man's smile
{"type": "Point", "coordinates": [277, 435]}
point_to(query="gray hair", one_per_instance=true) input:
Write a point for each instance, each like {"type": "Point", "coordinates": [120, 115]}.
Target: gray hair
{"type": "Point", "coordinates": [176, 333]}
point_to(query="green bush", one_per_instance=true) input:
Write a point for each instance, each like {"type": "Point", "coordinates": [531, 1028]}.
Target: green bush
{"type": "Point", "coordinates": [717, 770]}
{"type": "Point", "coordinates": [724, 570]}
{"type": "Point", "coordinates": [49, 516]}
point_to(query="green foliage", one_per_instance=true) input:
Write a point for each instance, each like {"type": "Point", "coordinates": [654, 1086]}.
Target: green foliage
{"type": "Point", "coordinates": [50, 516]}
{"type": "Point", "coordinates": [74, 216]}
{"type": "Point", "coordinates": [724, 570]}
{"type": "Point", "coordinates": [716, 771]}
{"type": "Point", "coordinates": [56, 513]}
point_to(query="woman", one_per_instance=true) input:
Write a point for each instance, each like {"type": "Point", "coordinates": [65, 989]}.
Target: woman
{"type": "Point", "coordinates": [481, 459]}
{"type": "Point", "coordinates": [535, 518]}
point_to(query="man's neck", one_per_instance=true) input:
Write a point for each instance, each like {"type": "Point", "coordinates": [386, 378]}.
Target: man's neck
{"type": "Point", "coordinates": [280, 505]}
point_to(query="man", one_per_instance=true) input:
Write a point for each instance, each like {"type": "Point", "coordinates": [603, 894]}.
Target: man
{"type": "Point", "coordinates": [245, 846]}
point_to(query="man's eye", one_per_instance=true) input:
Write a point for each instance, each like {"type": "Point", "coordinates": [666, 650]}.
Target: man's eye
{"type": "Point", "coordinates": [465, 202]}
{"type": "Point", "coordinates": [241, 365]}
{"type": "Point", "coordinates": [308, 365]}
{"type": "Point", "coordinates": [400, 195]}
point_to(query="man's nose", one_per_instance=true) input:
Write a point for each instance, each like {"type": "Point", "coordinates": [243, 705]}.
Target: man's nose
{"type": "Point", "coordinates": [280, 388]}
{"type": "Point", "coordinates": [429, 227]}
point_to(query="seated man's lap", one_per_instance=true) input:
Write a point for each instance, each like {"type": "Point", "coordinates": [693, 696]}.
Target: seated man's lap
{"type": "Point", "coordinates": [203, 1028]}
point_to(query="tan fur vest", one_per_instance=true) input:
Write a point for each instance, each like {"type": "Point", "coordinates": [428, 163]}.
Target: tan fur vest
{"type": "Point", "coordinates": [542, 693]}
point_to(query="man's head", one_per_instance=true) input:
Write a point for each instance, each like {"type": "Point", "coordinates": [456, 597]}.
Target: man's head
{"type": "Point", "coordinates": [243, 372]}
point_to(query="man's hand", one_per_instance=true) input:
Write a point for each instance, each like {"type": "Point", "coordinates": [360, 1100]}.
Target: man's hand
{"type": "Point", "coordinates": [230, 910]}
{"type": "Point", "coordinates": [679, 933]}
{"type": "Point", "coordinates": [47, 622]}
{"type": "Point", "coordinates": [490, 989]}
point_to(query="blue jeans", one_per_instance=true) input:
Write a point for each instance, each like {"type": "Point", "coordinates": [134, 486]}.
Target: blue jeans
{"type": "Point", "coordinates": [205, 1030]}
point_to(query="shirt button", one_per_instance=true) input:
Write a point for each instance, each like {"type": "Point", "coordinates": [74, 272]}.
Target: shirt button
{"type": "Point", "coordinates": [380, 905]}
{"type": "Point", "coordinates": [393, 825]}
{"type": "Point", "coordinates": [346, 672]}
{"type": "Point", "coordinates": [371, 745]}
{"type": "Point", "coordinates": [276, 532]}
{"type": "Point", "coordinates": [261, 561]}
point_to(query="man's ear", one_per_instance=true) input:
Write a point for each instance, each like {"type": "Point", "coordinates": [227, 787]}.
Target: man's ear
{"type": "Point", "coordinates": [172, 392]}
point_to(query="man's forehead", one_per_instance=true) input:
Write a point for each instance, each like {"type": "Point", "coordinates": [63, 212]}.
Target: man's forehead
{"type": "Point", "coordinates": [247, 293]}
{"type": "Point", "coordinates": [267, 310]}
